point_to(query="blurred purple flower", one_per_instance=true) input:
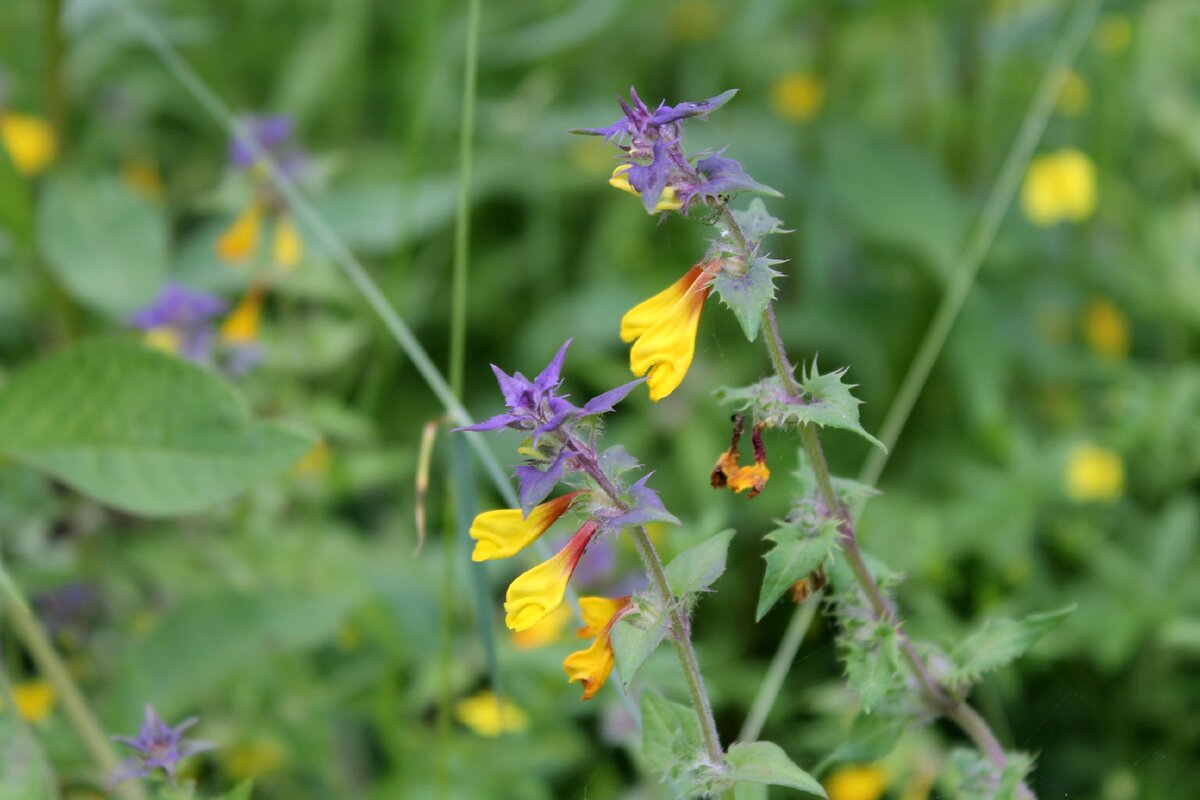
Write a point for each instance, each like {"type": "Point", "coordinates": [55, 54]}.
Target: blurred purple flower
{"type": "Point", "coordinates": [184, 312]}
{"type": "Point", "coordinates": [157, 746]}
{"type": "Point", "coordinates": [271, 134]}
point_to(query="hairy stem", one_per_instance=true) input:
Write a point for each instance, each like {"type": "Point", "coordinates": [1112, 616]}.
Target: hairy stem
{"type": "Point", "coordinates": [941, 701]}
{"type": "Point", "coordinates": [679, 623]}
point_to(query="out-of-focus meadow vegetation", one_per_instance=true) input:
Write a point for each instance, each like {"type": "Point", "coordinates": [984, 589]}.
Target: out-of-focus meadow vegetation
{"type": "Point", "coordinates": [1052, 459]}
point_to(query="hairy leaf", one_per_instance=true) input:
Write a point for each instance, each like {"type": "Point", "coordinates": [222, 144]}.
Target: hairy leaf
{"type": "Point", "coordinates": [797, 553]}
{"type": "Point", "coordinates": [671, 739]}
{"type": "Point", "coordinates": [747, 295]}
{"type": "Point", "coordinates": [873, 667]}
{"type": "Point", "coordinates": [634, 638]}
{"type": "Point", "coordinates": [825, 400]}
{"type": "Point", "coordinates": [765, 762]}
{"type": "Point", "coordinates": [1000, 641]}
{"type": "Point", "coordinates": [698, 567]}
{"type": "Point", "coordinates": [140, 430]}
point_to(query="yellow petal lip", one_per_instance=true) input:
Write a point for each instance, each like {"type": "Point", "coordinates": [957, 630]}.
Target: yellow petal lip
{"type": "Point", "coordinates": [666, 200]}
{"type": "Point", "coordinates": [594, 664]}
{"type": "Point", "coordinates": [505, 532]}
{"type": "Point", "coordinates": [539, 591]}
{"type": "Point", "coordinates": [664, 327]}
{"type": "Point", "coordinates": [240, 239]}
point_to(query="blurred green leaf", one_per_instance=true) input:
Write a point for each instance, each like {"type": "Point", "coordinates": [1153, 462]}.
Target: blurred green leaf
{"type": "Point", "coordinates": [23, 774]}
{"type": "Point", "coordinates": [106, 244]}
{"type": "Point", "coordinates": [896, 196]}
{"type": "Point", "coordinates": [873, 667]}
{"type": "Point", "coordinates": [698, 567]}
{"type": "Point", "coordinates": [871, 737]}
{"type": "Point", "coordinates": [240, 792]}
{"type": "Point", "coordinates": [16, 203]}
{"type": "Point", "coordinates": [765, 762]}
{"type": "Point", "coordinates": [140, 430]}
{"type": "Point", "coordinates": [798, 552]}
{"type": "Point", "coordinates": [209, 638]}
{"type": "Point", "coordinates": [1000, 641]}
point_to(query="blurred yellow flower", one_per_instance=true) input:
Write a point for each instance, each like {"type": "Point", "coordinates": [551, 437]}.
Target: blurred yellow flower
{"type": "Point", "coordinates": [141, 174]}
{"type": "Point", "coordinates": [1106, 330]}
{"type": "Point", "coordinates": [694, 20]}
{"type": "Point", "coordinates": [247, 760]}
{"type": "Point", "coordinates": [546, 632]}
{"type": "Point", "coordinates": [288, 247]}
{"type": "Point", "coordinates": [30, 141]}
{"type": "Point", "coordinates": [1059, 186]}
{"type": "Point", "coordinates": [315, 461]}
{"type": "Point", "coordinates": [34, 700]}
{"type": "Point", "coordinates": [484, 714]}
{"type": "Point", "coordinates": [1075, 95]}
{"type": "Point", "coordinates": [865, 782]}
{"type": "Point", "coordinates": [243, 324]}
{"type": "Point", "coordinates": [1113, 34]}
{"type": "Point", "coordinates": [349, 637]}
{"type": "Point", "coordinates": [1094, 474]}
{"type": "Point", "coordinates": [797, 96]}
{"type": "Point", "coordinates": [240, 239]}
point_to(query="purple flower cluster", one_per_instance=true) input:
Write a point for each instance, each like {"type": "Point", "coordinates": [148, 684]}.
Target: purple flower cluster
{"type": "Point", "coordinates": [158, 746]}
{"type": "Point", "coordinates": [270, 134]}
{"type": "Point", "coordinates": [563, 446]}
{"type": "Point", "coordinates": [185, 312]}
{"type": "Point", "coordinates": [656, 157]}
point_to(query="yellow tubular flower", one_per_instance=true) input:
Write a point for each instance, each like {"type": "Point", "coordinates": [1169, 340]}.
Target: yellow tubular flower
{"type": "Point", "coordinates": [484, 714]}
{"type": "Point", "coordinates": [241, 238]}
{"type": "Point", "coordinates": [537, 592]}
{"type": "Point", "coordinates": [666, 200]}
{"type": "Point", "coordinates": [34, 700]}
{"type": "Point", "coordinates": [664, 328]}
{"type": "Point", "coordinates": [288, 247]}
{"type": "Point", "coordinates": [243, 323]}
{"type": "Point", "coordinates": [593, 665]}
{"type": "Point", "coordinates": [505, 532]}
{"type": "Point", "coordinates": [30, 141]}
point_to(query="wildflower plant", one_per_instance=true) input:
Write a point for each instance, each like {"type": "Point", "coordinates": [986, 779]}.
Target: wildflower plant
{"type": "Point", "coordinates": [899, 681]}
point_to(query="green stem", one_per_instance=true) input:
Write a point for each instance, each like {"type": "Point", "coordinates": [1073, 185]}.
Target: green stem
{"type": "Point", "coordinates": [458, 344]}
{"type": "Point", "coordinates": [777, 672]}
{"type": "Point", "coordinates": [29, 631]}
{"type": "Point", "coordinates": [681, 632]}
{"type": "Point", "coordinates": [994, 210]}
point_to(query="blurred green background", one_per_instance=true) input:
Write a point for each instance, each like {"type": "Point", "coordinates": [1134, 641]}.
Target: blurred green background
{"type": "Point", "coordinates": [1052, 458]}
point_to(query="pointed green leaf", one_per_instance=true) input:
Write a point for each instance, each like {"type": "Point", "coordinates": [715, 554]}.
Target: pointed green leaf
{"type": "Point", "coordinates": [106, 244]}
{"type": "Point", "coordinates": [240, 792]}
{"type": "Point", "coordinates": [748, 295]}
{"type": "Point", "coordinates": [140, 430]}
{"type": "Point", "coordinates": [873, 668]}
{"type": "Point", "coordinates": [1000, 641]}
{"type": "Point", "coordinates": [698, 567]}
{"type": "Point", "coordinates": [765, 762]}
{"type": "Point", "coordinates": [634, 639]}
{"type": "Point", "coordinates": [756, 222]}
{"type": "Point", "coordinates": [796, 555]}
{"type": "Point", "coordinates": [825, 400]}
{"type": "Point", "coordinates": [668, 730]}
